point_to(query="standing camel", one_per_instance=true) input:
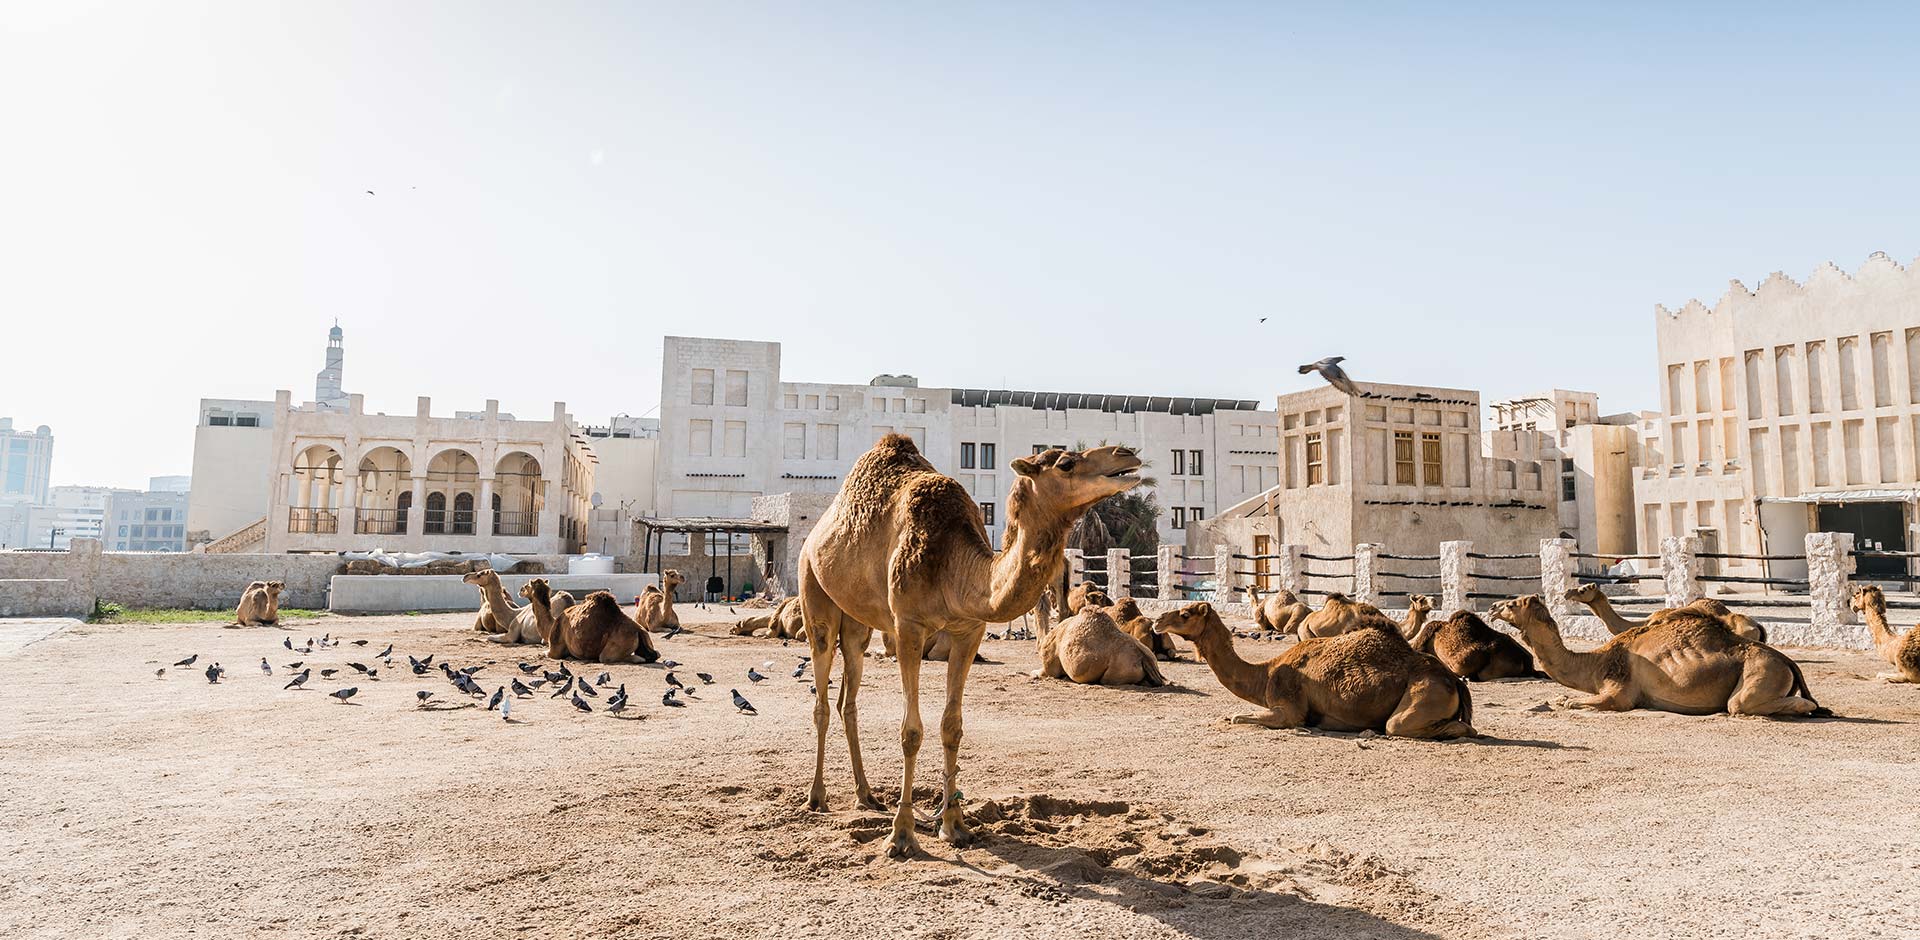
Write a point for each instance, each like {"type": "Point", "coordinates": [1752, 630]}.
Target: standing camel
{"type": "Point", "coordinates": [904, 550]}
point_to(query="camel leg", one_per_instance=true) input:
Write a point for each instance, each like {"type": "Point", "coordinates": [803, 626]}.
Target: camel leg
{"type": "Point", "coordinates": [1612, 697]}
{"type": "Point", "coordinates": [953, 827]}
{"type": "Point", "coordinates": [1426, 711]}
{"type": "Point", "coordinates": [854, 637]}
{"type": "Point", "coordinates": [1891, 677]}
{"type": "Point", "coordinates": [909, 642]}
{"type": "Point", "coordinates": [1271, 718]}
{"type": "Point", "coordinates": [1767, 692]}
{"type": "Point", "coordinates": [825, 617]}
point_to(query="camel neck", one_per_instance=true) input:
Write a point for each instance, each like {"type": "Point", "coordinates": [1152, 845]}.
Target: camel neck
{"type": "Point", "coordinates": [1603, 608]}
{"type": "Point", "coordinates": [1244, 679]}
{"type": "Point", "coordinates": [1876, 617]}
{"type": "Point", "coordinates": [503, 609]}
{"type": "Point", "coordinates": [1571, 669]}
{"type": "Point", "coordinates": [1015, 578]}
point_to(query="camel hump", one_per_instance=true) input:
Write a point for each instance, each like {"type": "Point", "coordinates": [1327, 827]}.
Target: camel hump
{"type": "Point", "coordinates": [600, 602]}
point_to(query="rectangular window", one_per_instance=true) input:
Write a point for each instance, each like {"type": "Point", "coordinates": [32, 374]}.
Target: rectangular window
{"type": "Point", "coordinates": [1195, 514]}
{"type": "Point", "coordinates": [826, 442]}
{"type": "Point", "coordinates": [813, 403]}
{"type": "Point", "coordinates": [1783, 379]}
{"type": "Point", "coordinates": [790, 400]}
{"type": "Point", "coordinates": [736, 438]}
{"type": "Point", "coordinates": [987, 459]}
{"type": "Point", "coordinates": [1816, 377]}
{"type": "Point", "coordinates": [1430, 460]}
{"type": "Point", "coordinates": [833, 403]}
{"type": "Point", "coordinates": [1789, 460]}
{"type": "Point", "coordinates": [1754, 401]}
{"type": "Point", "coordinates": [1676, 386]}
{"type": "Point", "coordinates": [1196, 463]}
{"type": "Point", "coordinates": [966, 456]}
{"type": "Point", "coordinates": [986, 511]}
{"type": "Point", "coordinates": [247, 421]}
{"type": "Point", "coordinates": [1703, 439]}
{"type": "Point", "coordinates": [1886, 434]}
{"type": "Point", "coordinates": [219, 421]}
{"type": "Point", "coordinates": [1726, 384]}
{"type": "Point", "coordinates": [1651, 523]}
{"type": "Point", "coordinates": [736, 387]}
{"type": "Point", "coordinates": [794, 446]}
{"type": "Point", "coordinates": [1179, 518]}
{"type": "Point", "coordinates": [1822, 454]}
{"type": "Point", "coordinates": [1849, 373]}
{"type": "Point", "coordinates": [1730, 437]}
{"type": "Point", "coordinates": [703, 386]}
{"type": "Point", "coordinates": [1851, 434]}
{"type": "Point", "coordinates": [1316, 460]}
{"type": "Point", "coordinates": [1568, 491]}
{"type": "Point", "coordinates": [1039, 449]}
{"type": "Point", "coordinates": [1403, 458]}
{"type": "Point", "coordinates": [1702, 387]}
{"type": "Point", "coordinates": [1882, 376]}
{"type": "Point", "coordinates": [1730, 528]}
{"type": "Point", "coordinates": [917, 406]}
{"type": "Point", "coordinates": [1179, 462]}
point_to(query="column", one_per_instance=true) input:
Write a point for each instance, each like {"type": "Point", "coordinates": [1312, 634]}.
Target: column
{"type": "Point", "coordinates": [483, 513]}
{"type": "Point", "coordinates": [1119, 573]}
{"type": "Point", "coordinates": [1293, 568]}
{"type": "Point", "coordinates": [349, 502]}
{"type": "Point", "coordinates": [1165, 565]}
{"type": "Point", "coordinates": [1364, 557]}
{"type": "Point", "coordinates": [1226, 579]}
{"type": "Point", "coordinates": [1557, 567]}
{"type": "Point", "coordinates": [1829, 582]}
{"type": "Point", "coordinates": [1680, 563]}
{"type": "Point", "coordinates": [1076, 569]}
{"type": "Point", "coordinates": [1456, 576]}
{"type": "Point", "coordinates": [417, 514]}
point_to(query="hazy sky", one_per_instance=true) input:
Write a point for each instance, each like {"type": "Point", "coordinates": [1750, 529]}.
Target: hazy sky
{"type": "Point", "coordinates": [1099, 197]}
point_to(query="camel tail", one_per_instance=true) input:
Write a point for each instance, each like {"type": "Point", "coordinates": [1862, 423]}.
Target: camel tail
{"type": "Point", "coordinates": [1800, 689]}
{"type": "Point", "coordinates": [1154, 676]}
{"type": "Point", "coordinates": [1465, 712]}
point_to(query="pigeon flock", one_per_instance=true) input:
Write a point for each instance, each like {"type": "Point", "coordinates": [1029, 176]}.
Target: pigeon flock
{"type": "Point", "coordinates": [470, 688]}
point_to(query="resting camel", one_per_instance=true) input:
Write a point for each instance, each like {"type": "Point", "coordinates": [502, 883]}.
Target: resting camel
{"type": "Point", "coordinates": [528, 623]}
{"type": "Point", "coordinates": [1363, 680]}
{"type": "Point", "coordinates": [903, 550]}
{"type": "Point", "coordinates": [1472, 650]}
{"type": "Point", "coordinates": [783, 622]}
{"type": "Point", "coordinates": [655, 610]}
{"type": "Point", "coordinates": [260, 604]}
{"type": "Point", "coordinates": [1084, 595]}
{"type": "Point", "coordinates": [1091, 649]}
{"type": "Point", "coordinates": [1901, 652]}
{"type": "Point", "coordinates": [597, 630]}
{"type": "Point", "coordinates": [1135, 624]}
{"type": "Point", "coordinates": [1343, 614]}
{"type": "Point", "coordinates": [1281, 612]}
{"type": "Point", "coordinates": [1687, 662]}
{"type": "Point", "coordinates": [1742, 625]}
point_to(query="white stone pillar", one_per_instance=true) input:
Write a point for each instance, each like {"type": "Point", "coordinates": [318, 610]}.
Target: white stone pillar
{"type": "Point", "coordinates": [1364, 557]}
{"type": "Point", "coordinates": [1226, 578]}
{"type": "Point", "coordinates": [483, 513]}
{"type": "Point", "coordinates": [1166, 564]}
{"type": "Point", "coordinates": [1076, 569]}
{"type": "Point", "coordinates": [1829, 578]}
{"type": "Point", "coordinates": [349, 502]}
{"type": "Point", "coordinates": [1680, 564]}
{"type": "Point", "coordinates": [1557, 568]}
{"type": "Point", "coordinates": [1119, 573]}
{"type": "Point", "coordinates": [1293, 568]}
{"type": "Point", "coordinates": [1456, 576]}
{"type": "Point", "coordinates": [417, 513]}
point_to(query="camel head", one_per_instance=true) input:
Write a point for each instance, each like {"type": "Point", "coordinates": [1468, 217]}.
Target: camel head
{"type": "Point", "coordinates": [1125, 610]}
{"type": "Point", "coordinates": [1528, 612]}
{"type": "Point", "coordinates": [273, 588]}
{"type": "Point", "coordinates": [672, 578]}
{"type": "Point", "coordinates": [1421, 603]}
{"type": "Point", "coordinates": [1188, 621]}
{"type": "Point", "coordinates": [1065, 483]}
{"type": "Point", "coordinates": [1586, 594]}
{"type": "Point", "coordinates": [485, 577]}
{"type": "Point", "coordinates": [1867, 597]}
{"type": "Point", "coordinates": [1098, 598]}
{"type": "Point", "coordinates": [538, 591]}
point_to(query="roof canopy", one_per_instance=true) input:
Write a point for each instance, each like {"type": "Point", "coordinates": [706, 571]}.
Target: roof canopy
{"type": "Point", "coordinates": [709, 524]}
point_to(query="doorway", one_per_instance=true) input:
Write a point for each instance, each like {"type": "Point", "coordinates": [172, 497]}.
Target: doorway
{"type": "Point", "coordinates": [1875, 527]}
{"type": "Point", "coordinates": [1262, 565]}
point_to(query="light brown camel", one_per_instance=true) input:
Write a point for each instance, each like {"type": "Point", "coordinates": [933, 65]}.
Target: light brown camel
{"type": "Point", "coordinates": [1418, 607]}
{"type": "Point", "coordinates": [1688, 662]}
{"type": "Point", "coordinates": [903, 549]}
{"type": "Point", "coordinates": [1596, 600]}
{"type": "Point", "coordinates": [1901, 652]}
{"type": "Point", "coordinates": [655, 611]}
{"type": "Point", "coordinates": [517, 624]}
{"type": "Point", "coordinates": [1363, 680]}
{"type": "Point", "coordinates": [1281, 612]}
{"type": "Point", "coordinates": [1472, 650]}
{"type": "Point", "coordinates": [1085, 594]}
{"type": "Point", "coordinates": [784, 622]}
{"type": "Point", "coordinates": [260, 604]}
{"type": "Point", "coordinates": [597, 630]}
{"type": "Point", "coordinates": [1135, 624]}
{"type": "Point", "coordinates": [1091, 649]}
{"type": "Point", "coordinates": [1340, 614]}
{"type": "Point", "coordinates": [1743, 626]}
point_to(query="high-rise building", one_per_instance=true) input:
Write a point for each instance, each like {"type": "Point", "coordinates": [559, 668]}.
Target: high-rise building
{"type": "Point", "coordinates": [26, 461]}
{"type": "Point", "coordinates": [154, 521]}
{"type": "Point", "coordinates": [327, 392]}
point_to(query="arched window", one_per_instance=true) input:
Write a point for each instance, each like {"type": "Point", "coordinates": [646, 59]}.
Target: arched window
{"type": "Point", "coordinates": [403, 503]}
{"type": "Point", "coordinates": [463, 514]}
{"type": "Point", "coordinates": [437, 513]}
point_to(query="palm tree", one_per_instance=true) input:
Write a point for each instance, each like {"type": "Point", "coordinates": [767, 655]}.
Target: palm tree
{"type": "Point", "coordinates": [1129, 520]}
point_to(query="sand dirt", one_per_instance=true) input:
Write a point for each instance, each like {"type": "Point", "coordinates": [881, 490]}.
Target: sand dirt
{"type": "Point", "coordinates": [136, 806]}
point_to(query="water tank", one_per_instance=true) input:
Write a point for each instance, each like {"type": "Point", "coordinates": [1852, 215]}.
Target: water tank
{"type": "Point", "coordinates": [590, 564]}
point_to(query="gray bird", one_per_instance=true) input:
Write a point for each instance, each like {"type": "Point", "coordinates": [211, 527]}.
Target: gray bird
{"type": "Point", "coordinates": [385, 655]}
{"type": "Point", "coordinates": [586, 688]}
{"type": "Point", "coordinates": [800, 670]}
{"type": "Point", "coordinates": [296, 665]}
{"type": "Point", "coordinates": [563, 689]}
{"type": "Point", "coordinates": [704, 678]}
{"type": "Point", "coordinates": [741, 704]}
{"type": "Point", "coordinates": [1329, 369]}
{"type": "Point", "coordinates": [344, 694]}
{"type": "Point", "coordinates": [674, 681]}
{"type": "Point", "coordinates": [160, 673]}
{"type": "Point", "coordinates": [499, 695]}
{"type": "Point", "coordinates": [213, 672]}
{"type": "Point", "coordinates": [754, 676]}
{"type": "Point", "coordinates": [188, 661]}
{"type": "Point", "coordinates": [536, 683]}
{"type": "Point", "coordinates": [617, 704]}
{"type": "Point", "coordinates": [373, 674]}
{"type": "Point", "coordinates": [358, 667]}
{"type": "Point", "coordinates": [298, 680]}
{"type": "Point", "coordinates": [266, 668]}
{"type": "Point", "coordinates": [288, 642]}
{"type": "Point", "coordinates": [669, 700]}
{"type": "Point", "coordinates": [327, 673]}
{"type": "Point", "coordinates": [670, 664]}
{"type": "Point", "coordinates": [520, 689]}
{"type": "Point", "coordinates": [419, 668]}
{"type": "Point", "coordinates": [359, 642]}
{"type": "Point", "coordinates": [529, 668]}
{"type": "Point", "coordinates": [423, 695]}
{"type": "Point", "coordinates": [606, 678]}
{"type": "Point", "coordinates": [581, 704]}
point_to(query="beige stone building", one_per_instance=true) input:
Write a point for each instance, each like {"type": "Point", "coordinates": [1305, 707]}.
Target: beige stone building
{"type": "Point", "coordinates": [1789, 408]}
{"type": "Point", "coordinates": [1591, 458]}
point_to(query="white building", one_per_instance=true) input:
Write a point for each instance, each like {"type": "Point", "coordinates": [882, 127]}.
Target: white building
{"type": "Point", "coordinates": [732, 428]}
{"type": "Point", "coordinates": [1788, 408]}
{"type": "Point", "coordinates": [232, 468]}
{"type": "Point", "coordinates": [154, 521]}
{"type": "Point", "coordinates": [1590, 458]}
{"type": "Point", "coordinates": [71, 512]}
{"type": "Point", "coordinates": [178, 483]}
{"type": "Point", "coordinates": [26, 462]}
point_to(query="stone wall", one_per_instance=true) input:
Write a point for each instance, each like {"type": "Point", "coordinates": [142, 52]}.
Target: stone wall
{"type": "Point", "coordinates": [135, 579]}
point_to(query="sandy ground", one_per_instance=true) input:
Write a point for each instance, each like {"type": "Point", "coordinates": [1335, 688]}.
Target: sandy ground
{"type": "Point", "coordinates": [166, 807]}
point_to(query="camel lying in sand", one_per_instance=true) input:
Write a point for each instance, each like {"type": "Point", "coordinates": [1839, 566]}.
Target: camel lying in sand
{"type": "Point", "coordinates": [655, 611]}
{"type": "Point", "coordinates": [1281, 612]}
{"type": "Point", "coordinates": [1090, 648]}
{"type": "Point", "coordinates": [1368, 679]}
{"type": "Point", "coordinates": [1472, 650]}
{"type": "Point", "coordinates": [1343, 614]}
{"type": "Point", "coordinates": [1686, 662]}
{"type": "Point", "coordinates": [1086, 594]}
{"type": "Point", "coordinates": [1135, 624]}
{"type": "Point", "coordinates": [1742, 625]}
{"type": "Point", "coordinates": [597, 630]}
{"type": "Point", "coordinates": [1901, 652]}
{"type": "Point", "coordinates": [260, 604]}
{"type": "Point", "coordinates": [528, 623]}
{"type": "Point", "coordinates": [785, 622]}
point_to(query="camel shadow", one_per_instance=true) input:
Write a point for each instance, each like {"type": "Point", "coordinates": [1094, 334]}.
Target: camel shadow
{"type": "Point", "coordinates": [1847, 720]}
{"type": "Point", "coordinates": [1491, 741]}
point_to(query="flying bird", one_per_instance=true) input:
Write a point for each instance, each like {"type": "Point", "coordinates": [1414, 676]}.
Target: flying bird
{"type": "Point", "coordinates": [369, 192]}
{"type": "Point", "coordinates": [740, 703]}
{"type": "Point", "coordinates": [213, 673]}
{"type": "Point", "coordinates": [1263, 319]}
{"type": "Point", "coordinates": [188, 661]}
{"type": "Point", "coordinates": [1329, 369]}
{"type": "Point", "coordinates": [298, 680]}
{"type": "Point", "coordinates": [344, 694]}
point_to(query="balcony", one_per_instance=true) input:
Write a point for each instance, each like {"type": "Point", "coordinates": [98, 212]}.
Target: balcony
{"type": "Point", "coordinates": [445, 522]}
{"type": "Point", "coordinates": [380, 521]}
{"type": "Point", "coordinates": [313, 521]}
{"type": "Point", "coordinates": [516, 523]}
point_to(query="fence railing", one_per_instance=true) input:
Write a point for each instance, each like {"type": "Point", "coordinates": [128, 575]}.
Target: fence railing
{"type": "Point", "coordinates": [516, 523]}
{"type": "Point", "coordinates": [380, 521]}
{"type": "Point", "coordinates": [313, 521]}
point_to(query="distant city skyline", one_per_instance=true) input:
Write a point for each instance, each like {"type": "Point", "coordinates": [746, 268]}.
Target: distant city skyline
{"type": "Point", "coordinates": [504, 203]}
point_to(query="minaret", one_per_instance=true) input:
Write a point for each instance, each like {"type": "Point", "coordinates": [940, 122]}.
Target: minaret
{"type": "Point", "coordinates": [326, 385]}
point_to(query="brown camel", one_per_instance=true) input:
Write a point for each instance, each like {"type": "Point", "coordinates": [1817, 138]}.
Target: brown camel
{"type": "Point", "coordinates": [1084, 595]}
{"type": "Point", "coordinates": [1340, 614]}
{"type": "Point", "coordinates": [260, 604]}
{"type": "Point", "coordinates": [597, 630]}
{"type": "Point", "coordinates": [1901, 652]}
{"type": "Point", "coordinates": [1135, 624]}
{"type": "Point", "coordinates": [1281, 612]}
{"type": "Point", "coordinates": [1358, 681]}
{"type": "Point", "coordinates": [903, 550]}
{"type": "Point", "coordinates": [781, 623]}
{"type": "Point", "coordinates": [655, 611]}
{"type": "Point", "coordinates": [1742, 625]}
{"type": "Point", "coordinates": [1418, 607]}
{"type": "Point", "coordinates": [1688, 662]}
{"type": "Point", "coordinates": [517, 624]}
{"type": "Point", "coordinates": [1091, 649]}
{"type": "Point", "coordinates": [1472, 650]}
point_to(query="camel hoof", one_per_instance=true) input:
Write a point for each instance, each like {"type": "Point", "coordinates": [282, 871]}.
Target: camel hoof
{"type": "Point", "coordinates": [817, 800]}
{"type": "Point", "coordinates": [958, 835]}
{"type": "Point", "coordinates": [869, 801]}
{"type": "Point", "coordinates": [903, 845]}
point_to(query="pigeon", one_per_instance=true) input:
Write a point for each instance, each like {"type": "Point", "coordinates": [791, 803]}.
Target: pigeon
{"type": "Point", "coordinates": [188, 661]}
{"type": "Point", "coordinates": [499, 695]}
{"type": "Point", "coordinates": [606, 678]}
{"type": "Point", "coordinates": [520, 689]}
{"type": "Point", "coordinates": [359, 642]}
{"type": "Point", "coordinates": [560, 690]}
{"type": "Point", "coordinates": [423, 695]}
{"type": "Point", "coordinates": [419, 668]}
{"type": "Point", "coordinates": [266, 668]}
{"type": "Point", "coordinates": [213, 673]}
{"type": "Point", "coordinates": [704, 678]}
{"type": "Point", "coordinates": [344, 694]}
{"type": "Point", "coordinates": [553, 676]}
{"type": "Point", "coordinates": [617, 704]}
{"type": "Point", "coordinates": [670, 664]}
{"type": "Point", "coordinates": [373, 674]}
{"type": "Point", "coordinates": [754, 676]}
{"type": "Point", "coordinates": [429, 660]}
{"type": "Point", "coordinates": [298, 680]}
{"type": "Point", "coordinates": [586, 688]}
{"type": "Point", "coordinates": [668, 699]}
{"type": "Point", "coordinates": [1263, 319]}
{"type": "Point", "coordinates": [327, 673]}
{"type": "Point", "coordinates": [357, 667]}
{"type": "Point", "coordinates": [800, 670]}
{"type": "Point", "coordinates": [565, 673]}
{"type": "Point", "coordinates": [369, 192]}
{"type": "Point", "coordinates": [740, 703]}
{"type": "Point", "coordinates": [581, 704]}
{"type": "Point", "coordinates": [529, 668]}
{"type": "Point", "coordinates": [673, 630]}
{"type": "Point", "coordinates": [674, 681]}
{"type": "Point", "coordinates": [506, 708]}
{"type": "Point", "coordinates": [730, 610]}
{"type": "Point", "coordinates": [385, 655]}
{"type": "Point", "coordinates": [536, 683]}
{"type": "Point", "coordinates": [1329, 369]}
{"type": "Point", "coordinates": [160, 673]}
{"type": "Point", "coordinates": [288, 642]}
{"type": "Point", "coordinates": [470, 670]}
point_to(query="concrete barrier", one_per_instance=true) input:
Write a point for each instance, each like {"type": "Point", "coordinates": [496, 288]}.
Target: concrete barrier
{"type": "Point", "coordinates": [387, 594]}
